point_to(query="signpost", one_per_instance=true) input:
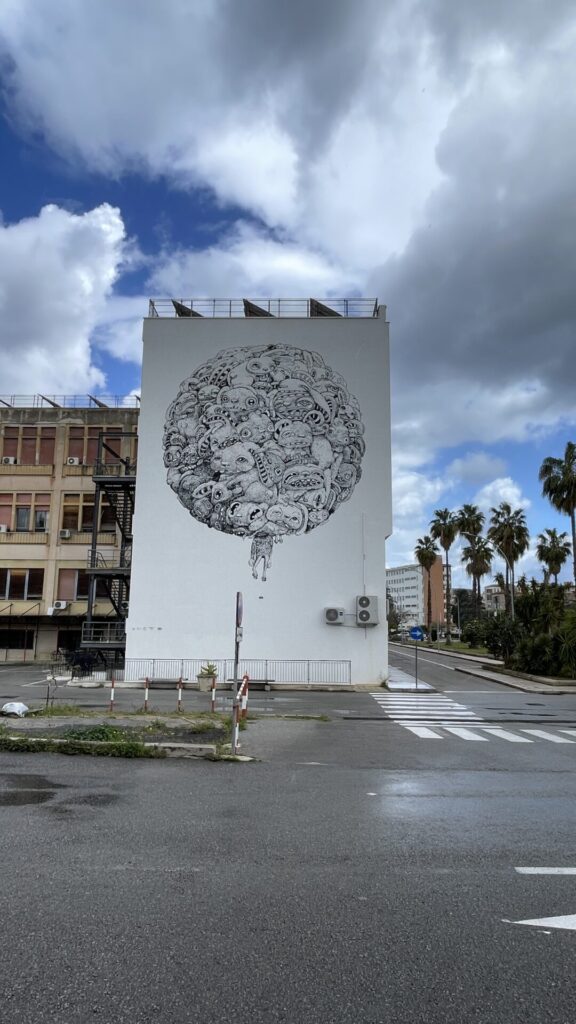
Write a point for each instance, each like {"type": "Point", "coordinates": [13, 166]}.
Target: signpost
{"type": "Point", "coordinates": [416, 634]}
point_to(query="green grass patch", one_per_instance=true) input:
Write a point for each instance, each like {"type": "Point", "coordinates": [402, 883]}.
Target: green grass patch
{"type": "Point", "coordinates": [42, 745]}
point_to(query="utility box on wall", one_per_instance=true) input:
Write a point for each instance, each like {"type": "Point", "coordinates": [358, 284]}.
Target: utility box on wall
{"type": "Point", "coordinates": [264, 467]}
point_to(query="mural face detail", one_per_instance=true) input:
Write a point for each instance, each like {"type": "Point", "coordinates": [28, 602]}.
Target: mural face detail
{"type": "Point", "coordinates": [263, 442]}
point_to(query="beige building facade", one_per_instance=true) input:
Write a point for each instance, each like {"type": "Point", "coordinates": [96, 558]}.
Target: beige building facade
{"type": "Point", "coordinates": [48, 452]}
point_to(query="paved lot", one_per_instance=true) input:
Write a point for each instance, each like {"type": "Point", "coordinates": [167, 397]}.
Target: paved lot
{"type": "Point", "coordinates": [359, 872]}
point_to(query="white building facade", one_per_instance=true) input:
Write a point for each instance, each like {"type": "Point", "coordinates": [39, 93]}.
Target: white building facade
{"type": "Point", "coordinates": [264, 468]}
{"type": "Point", "coordinates": [405, 585]}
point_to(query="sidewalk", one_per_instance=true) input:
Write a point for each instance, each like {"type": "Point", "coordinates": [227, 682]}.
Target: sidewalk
{"type": "Point", "coordinates": [528, 685]}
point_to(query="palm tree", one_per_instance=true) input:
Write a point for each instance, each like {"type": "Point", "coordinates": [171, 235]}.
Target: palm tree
{"type": "Point", "coordinates": [552, 550]}
{"type": "Point", "coordinates": [478, 558]}
{"type": "Point", "coordinates": [558, 478]}
{"type": "Point", "coordinates": [444, 528]}
{"type": "Point", "coordinates": [426, 553]}
{"type": "Point", "coordinates": [509, 534]}
{"type": "Point", "coordinates": [470, 521]}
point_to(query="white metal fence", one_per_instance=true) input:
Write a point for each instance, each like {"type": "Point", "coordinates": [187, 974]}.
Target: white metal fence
{"type": "Point", "coordinates": [271, 670]}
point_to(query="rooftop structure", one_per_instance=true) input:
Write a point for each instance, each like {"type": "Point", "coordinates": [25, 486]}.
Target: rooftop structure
{"type": "Point", "coordinates": [350, 307]}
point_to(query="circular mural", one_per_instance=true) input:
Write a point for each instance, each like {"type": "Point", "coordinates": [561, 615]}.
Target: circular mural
{"type": "Point", "coordinates": [263, 442]}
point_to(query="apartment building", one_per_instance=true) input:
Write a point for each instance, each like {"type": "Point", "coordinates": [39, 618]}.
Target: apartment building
{"type": "Point", "coordinates": [407, 585]}
{"type": "Point", "coordinates": [48, 454]}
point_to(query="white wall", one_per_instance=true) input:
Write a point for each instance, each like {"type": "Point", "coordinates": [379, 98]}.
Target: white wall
{"type": "Point", "coordinates": [185, 575]}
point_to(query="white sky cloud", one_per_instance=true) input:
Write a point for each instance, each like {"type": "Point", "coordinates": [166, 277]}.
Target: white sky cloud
{"type": "Point", "coordinates": [499, 490]}
{"type": "Point", "coordinates": [476, 467]}
{"type": "Point", "coordinates": [56, 271]}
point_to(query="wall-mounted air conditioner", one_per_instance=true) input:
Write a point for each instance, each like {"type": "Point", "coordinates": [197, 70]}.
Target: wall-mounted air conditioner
{"type": "Point", "coordinates": [65, 534]}
{"type": "Point", "coordinates": [4, 529]}
{"type": "Point", "coordinates": [333, 616]}
{"type": "Point", "coordinates": [8, 460]}
{"type": "Point", "coordinates": [366, 610]}
{"type": "Point", "coordinates": [72, 461]}
{"type": "Point", "coordinates": [60, 606]}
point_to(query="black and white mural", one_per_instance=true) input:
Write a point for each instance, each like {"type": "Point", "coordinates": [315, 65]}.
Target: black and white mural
{"type": "Point", "coordinates": [263, 442]}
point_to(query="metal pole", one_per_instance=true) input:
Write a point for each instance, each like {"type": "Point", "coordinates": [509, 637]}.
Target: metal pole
{"type": "Point", "coordinates": [416, 661]}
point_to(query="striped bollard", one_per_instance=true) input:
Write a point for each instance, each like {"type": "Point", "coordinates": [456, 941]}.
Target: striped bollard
{"type": "Point", "coordinates": [146, 689]}
{"type": "Point", "coordinates": [213, 695]}
{"type": "Point", "coordinates": [244, 710]}
{"type": "Point", "coordinates": [235, 727]}
{"type": "Point", "coordinates": [112, 693]}
{"type": "Point", "coordinates": [179, 704]}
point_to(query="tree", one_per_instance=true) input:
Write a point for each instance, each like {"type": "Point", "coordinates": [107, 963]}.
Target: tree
{"type": "Point", "coordinates": [558, 477]}
{"type": "Point", "coordinates": [478, 559]}
{"type": "Point", "coordinates": [426, 552]}
{"type": "Point", "coordinates": [444, 528]}
{"type": "Point", "coordinates": [470, 521]}
{"type": "Point", "coordinates": [464, 608]}
{"type": "Point", "coordinates": [509, 534]}
{"type": "Point", "coordinates": [552, 550]}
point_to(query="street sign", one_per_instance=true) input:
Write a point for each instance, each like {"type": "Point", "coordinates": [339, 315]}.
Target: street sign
{"type": "Point", "coordinates": [416, 633]}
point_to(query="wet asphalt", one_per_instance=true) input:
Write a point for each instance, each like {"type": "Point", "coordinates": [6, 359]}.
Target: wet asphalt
{"type": "Point", "coordinates": [356, 873]}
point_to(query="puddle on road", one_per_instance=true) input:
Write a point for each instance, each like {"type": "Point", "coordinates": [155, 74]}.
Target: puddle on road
{"type": "Point", "coordinates": [25, 797]}
{"type": "Point", "coordinates": [21, 781]}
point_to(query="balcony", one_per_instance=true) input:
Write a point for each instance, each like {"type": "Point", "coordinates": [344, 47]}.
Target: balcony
{"type": "Point", "coordinates": [17, 469]}
{"type": "Point", "coordinates": [24, 537]}
{"type": "Point", "coordinates": [107, 538]}
{"type": "Point", "coordinates": [108, 564]}
{"type": "Point", "coordinates": [113, 473]}
{"type": "Point", "coordinates": [105, 635]}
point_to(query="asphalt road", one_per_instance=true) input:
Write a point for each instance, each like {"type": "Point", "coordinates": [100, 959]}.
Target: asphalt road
{"type": "Point", "coordinates": [379, 884]}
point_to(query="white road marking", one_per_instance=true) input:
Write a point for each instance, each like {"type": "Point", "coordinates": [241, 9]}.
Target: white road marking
{"type": "Point", "coordinates": [571, 732]}
{"type": "Point", "coordinates": [546, 871]}
{"type": "Point", "coordinates": [466, 734]}
{"type": "Point", "coordinates": [401, 654]}
{"type": "Point", "coordinates": [502, 734]}
{"type": "Point", "coordinates": [547, 736]}
{"type": "Point", "coordinates": [423, 732]}
{"type": "Point", "coordinates": [566, 921]}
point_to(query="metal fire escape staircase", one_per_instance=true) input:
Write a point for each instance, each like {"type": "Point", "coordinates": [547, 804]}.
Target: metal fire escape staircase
{"type": "Point", "coordinates": [115, 479]}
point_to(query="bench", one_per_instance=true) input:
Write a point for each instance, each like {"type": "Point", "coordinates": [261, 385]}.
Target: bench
{"type": "Point", "coordinates": [256, 684]}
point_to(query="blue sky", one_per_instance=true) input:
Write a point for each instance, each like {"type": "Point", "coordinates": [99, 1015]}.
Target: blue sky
{"type": "Point", "coordinates": [424, 153]}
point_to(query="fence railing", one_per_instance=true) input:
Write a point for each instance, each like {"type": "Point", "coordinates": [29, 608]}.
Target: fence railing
{"type": "Point", "coordinates": [278, 671]}
{"type": "Point", "coordinates": [103, 632]}
{"type": "Point", "coordinates": [70, 401]}
{"type": "Point", "coordinates": [349, 307]}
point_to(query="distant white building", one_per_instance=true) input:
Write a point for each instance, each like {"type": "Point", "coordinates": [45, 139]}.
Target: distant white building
{"type": "Point", "coordinates": [405, 585]}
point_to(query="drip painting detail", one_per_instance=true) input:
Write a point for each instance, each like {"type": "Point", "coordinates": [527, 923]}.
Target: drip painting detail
{"type": "Point", "coordinates": [264, 443]}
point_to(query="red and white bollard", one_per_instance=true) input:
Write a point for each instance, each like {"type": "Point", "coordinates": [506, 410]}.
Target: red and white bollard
{"type": "Point", "coordinates": [111, 708]}
{"type": "Point", "coordinates": [235, 745]}
{"type": "Point", "coordinates": [146, 690]}
{"type": "Point", "coordinates": [213, 695]}
{"type": "Point", "coordinates": [244, 692]}
{"type": "Point", "coordinates": [179, 704]}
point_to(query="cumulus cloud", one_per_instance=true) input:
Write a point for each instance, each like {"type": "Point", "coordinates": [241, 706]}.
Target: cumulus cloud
{"type": "Point", "coordinates": [56, 271]}
{"type": "Point", "coordinates": [499, 490]}
{"type": "Point", "coordinates": [475, 467]}
{"type": "Point", "coordinates": [424, 152]}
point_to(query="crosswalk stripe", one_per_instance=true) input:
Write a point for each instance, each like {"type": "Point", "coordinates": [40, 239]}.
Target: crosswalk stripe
{"type": "Point", "coordinates": [571, 732]}
{"type": "Point", "coordinates": [502, 734]}
{"type": "Point", "coordinates": [423, 732]}
{"type": "Point", "coordinates": [547, 736]}
{"type": "Point", "coordinates": [466, 734]}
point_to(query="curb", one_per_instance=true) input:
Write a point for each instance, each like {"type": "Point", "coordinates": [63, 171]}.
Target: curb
{"type": "Point", "coordinates": [202, 750]}
{"type": "Point", "coordinates": [524, 684]}
{"type": "Point", "coordinates": [451, 654]}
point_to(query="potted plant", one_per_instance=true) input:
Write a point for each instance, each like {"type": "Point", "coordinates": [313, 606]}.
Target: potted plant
{"type": "Point", "coordinates": [207, 676]}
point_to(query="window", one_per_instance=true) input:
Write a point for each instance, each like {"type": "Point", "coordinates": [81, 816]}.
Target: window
{"type": "Point", "coordinates": [83, 444]}
{"type": "Point", "coordinates": [73, 585]}
{"type": "Point", "coordinates": [78, 513]}
{"type": "Point", "coordinates": [17, 639]}
{"type": "Point", "coordinates": [24, 512]}
{"type": "Point", "coordinates": [21, 584]}
{"type": "Point", "coordinates": [31, 446]}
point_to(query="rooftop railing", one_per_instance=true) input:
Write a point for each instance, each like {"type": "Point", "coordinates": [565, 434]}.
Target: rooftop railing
{"type": "Point", "coordinates": [263, 307]}
{"type": "Point", "coordinates": [69, 401]}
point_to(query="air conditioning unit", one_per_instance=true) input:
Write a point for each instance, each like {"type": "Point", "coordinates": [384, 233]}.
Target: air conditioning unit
{"type": "Point", "coordinates": [65, 534]}
{"type": "Point", "coordinates": [8, 460]}
{"type": "Point", "coordinates": [333, 616]}
{"type": "Point", "coordinates": [367, 610]}
{"type": "Point", "coordinates": [4, 529]}
{"type": "Point", "coordinates": [72, 461]}
{"type": "Point", "coordinates": [60, 606]}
